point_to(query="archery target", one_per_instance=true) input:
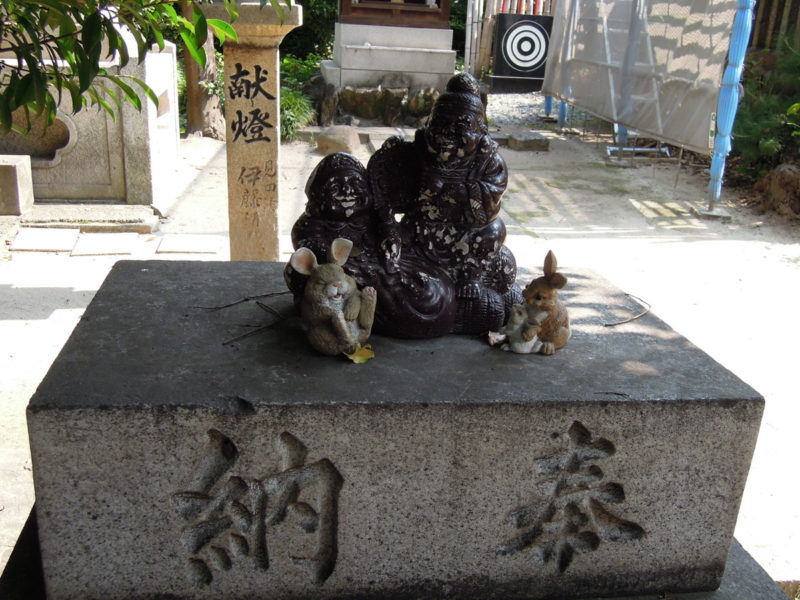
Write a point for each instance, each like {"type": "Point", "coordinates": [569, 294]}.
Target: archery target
{"type": "Point", "coordinates": [520, 52]}
{"type": "Point", "coordinates": [524, 46]}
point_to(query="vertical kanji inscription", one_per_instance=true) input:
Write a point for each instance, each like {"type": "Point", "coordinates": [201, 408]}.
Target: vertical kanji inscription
{"type": "Point", "coordinates": [568, 513]}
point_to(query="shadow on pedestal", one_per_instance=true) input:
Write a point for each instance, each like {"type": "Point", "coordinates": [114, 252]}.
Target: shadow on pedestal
{"type": "Point", "coordinates": [744, 578]}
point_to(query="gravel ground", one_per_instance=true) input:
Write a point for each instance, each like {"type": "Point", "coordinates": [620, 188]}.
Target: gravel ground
{"type": "Point", "coordinates": [514, 110]}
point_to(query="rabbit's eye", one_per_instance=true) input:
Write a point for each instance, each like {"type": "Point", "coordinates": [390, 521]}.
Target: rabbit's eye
{"type": "Point", "coordinates": [538, 297]}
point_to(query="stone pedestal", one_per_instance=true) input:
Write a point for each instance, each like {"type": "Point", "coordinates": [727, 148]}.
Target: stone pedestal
{"type": "Point", "coordinates": [392, 57]}
{"type": "Point", "coordinates": [90, 157]}
{"type": "Point", "coordinates": [169, 464]}
{"type": "Point", "coordinates": [16, 184]}
{"type": "Point", "coordinates": [252, 117]}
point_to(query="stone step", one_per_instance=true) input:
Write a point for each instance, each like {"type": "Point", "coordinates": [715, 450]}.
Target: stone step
{"type": "Point", "coordinates": [382, 35]}
{"type": "Point", "coordinates": [342, 77]}
{"type": "Point", "coordinates": [404, 59]}
{"type": "Point", "coordinates": [93, 217]}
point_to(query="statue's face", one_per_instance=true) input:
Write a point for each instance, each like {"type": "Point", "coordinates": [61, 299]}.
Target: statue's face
{"type": "Point", "coordinates": [343, 195]}
{"type": "Point", "coordinates": [451, 135]}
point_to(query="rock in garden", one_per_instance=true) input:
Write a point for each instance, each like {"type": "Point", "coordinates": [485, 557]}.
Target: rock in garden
{"type": "Point", "coordinates": [781, 190]}
{"type": "Point", "coordinates": [421, 102]}
{"type": "Point", "coordinates": [392, 100]}
{"type": "Point", "coordinates": [325, 97]}
{"type": "Point", "coordinates": [338, 138]}
{"type": "Point", "coordinates": [529, 141]}
{"type": "Point", "coordinates": [366, 103]}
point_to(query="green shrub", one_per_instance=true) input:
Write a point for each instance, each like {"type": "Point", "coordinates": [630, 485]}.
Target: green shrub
{"type": "Point", "coordinates": [217, 87]}
{"type": "Point", "coordinates": [296, 112]}
{"type": "Point", "coordinates": [767, 128]}
{"type": "Point", "coordinates": [296, 108]}
{"type": "Point", "coordinates": [458, 23]}
{"type": "Point", "coordinates": [315, 35]}
{"type": "Point", "coordinates": [296, 72]}
{"type": "Point", "coordinates": [181, 84]}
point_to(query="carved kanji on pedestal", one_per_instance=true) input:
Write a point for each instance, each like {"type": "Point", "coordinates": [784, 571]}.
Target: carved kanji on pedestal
{"type": "Point", "coordinates": [233, 517]}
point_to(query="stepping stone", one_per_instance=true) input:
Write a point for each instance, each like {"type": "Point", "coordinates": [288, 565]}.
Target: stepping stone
{"type": "Point", "coordinates": [338, 138]}
{"type": "Point", "coordinates": [187, 243]}
{"type": "Point", "coordinates": [105, 244]}
{"type": "Point", "coordinates": [32, 239]}
{"type": "Point", "coordinates": [529, 142]}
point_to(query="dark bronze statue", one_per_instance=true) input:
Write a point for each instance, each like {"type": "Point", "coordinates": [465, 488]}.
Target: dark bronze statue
{"type": "Point", "coordinates": [423, 219]}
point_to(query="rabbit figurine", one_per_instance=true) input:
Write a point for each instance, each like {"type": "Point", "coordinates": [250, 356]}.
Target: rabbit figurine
{"type": "Point", "coordinates": [523, 317]}
{"type": "Point", "coordinates": [337, 316]}
{"type": "Point", "coordinates": [542, 295]}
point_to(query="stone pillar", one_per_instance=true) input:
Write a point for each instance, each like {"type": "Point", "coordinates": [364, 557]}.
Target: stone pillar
{"type": "Point", "coordinates": [252, 87]}
{"type": "Point", "coordinates": [16, 184]}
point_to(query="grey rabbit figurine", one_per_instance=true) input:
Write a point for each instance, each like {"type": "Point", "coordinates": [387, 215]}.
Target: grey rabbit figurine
{"type": "Point", "coordinates": [523, 317]}
{"type": "Point", "coordinates": [337, 316]}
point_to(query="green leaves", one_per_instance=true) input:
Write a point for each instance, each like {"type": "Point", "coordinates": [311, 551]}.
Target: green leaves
{"type": "Point", "coordinates": [200, 26]}
{"type": "Point", "coordinates": [276, 4]}
{"type": "Point", "coordinates": [233, 10]}
{"type": "Point", "coordinates": [766, 132]}
{"type": "Point", "coordinates": [130, 95]}
{"type": "Point", "coordinates": [769, 146]}
{"type": "Point", "coordinates": [76, 48]}
{"type": "Point", "coordinates": [197, 53]}
{"type": "Point", "coordinates": [194, 34]}
{"type": "Point", "coordinates": [223, 30]}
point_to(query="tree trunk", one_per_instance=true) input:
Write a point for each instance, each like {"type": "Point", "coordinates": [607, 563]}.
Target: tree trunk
{"type": "Point", "coordinates": [203, 113]}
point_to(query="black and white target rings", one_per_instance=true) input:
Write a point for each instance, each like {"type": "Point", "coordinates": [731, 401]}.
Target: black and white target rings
{"type": "Point", "coordinates": [524, 45]}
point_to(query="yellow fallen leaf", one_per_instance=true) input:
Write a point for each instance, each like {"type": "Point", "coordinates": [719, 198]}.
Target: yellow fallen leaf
{"type": "Point", "coordinates": [362, 355]}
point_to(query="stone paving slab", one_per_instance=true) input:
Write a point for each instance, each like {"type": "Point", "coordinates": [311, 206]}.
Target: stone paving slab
{"type": "Point", "coordinates": [35, 239]}
{"type": "Point", "coordinates": [9, 226]}
{"type": "Point", "coordinates": [186, 243]}
{"type": "Point", "coordinates": [533, 142]}
{"type": "Point", "coordinates": [105, 244]}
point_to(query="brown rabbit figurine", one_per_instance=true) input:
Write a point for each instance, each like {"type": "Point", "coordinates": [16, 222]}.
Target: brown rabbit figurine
{"type": "Point", "coordinates": [337, 317]}
{"type": "Point", "coordinates": [542, 294]}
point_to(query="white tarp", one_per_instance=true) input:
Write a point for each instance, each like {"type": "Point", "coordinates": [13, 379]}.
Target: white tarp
{"type": "Point", "coordinates": [652, 65]}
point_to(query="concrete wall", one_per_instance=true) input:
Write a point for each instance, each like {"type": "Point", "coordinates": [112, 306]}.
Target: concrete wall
{"type": "Point", "coordinates": [89, 156]}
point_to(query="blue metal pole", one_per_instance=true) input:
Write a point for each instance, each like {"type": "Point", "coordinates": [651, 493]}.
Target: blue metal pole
{"type": "Point", "coordinates": [562, 113]}
{"type": "Point", "coordinates": [548, 105]}
{"type": "Point", "coordinates": [729, 97]}
{"type": "Point", "coordinates": [622, 135]}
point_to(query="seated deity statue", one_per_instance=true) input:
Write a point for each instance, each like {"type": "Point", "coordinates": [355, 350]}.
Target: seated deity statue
{"type": "Point", "coordinates": [447, 186]}
{"type": "Point", "coordinates": [415, 297]}
{"type": "Point", "coordinates": [423, 219]}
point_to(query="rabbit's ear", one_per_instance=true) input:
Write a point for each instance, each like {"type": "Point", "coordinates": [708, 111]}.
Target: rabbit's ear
{"type": "Point", "coordinates": [303, 261]}
{"type": "Point", "coordinates": [340, 251]}
{"type": "Point", "coordinates": [557, 281]}
{"type": "Point", "coordinates": [550, 265]}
